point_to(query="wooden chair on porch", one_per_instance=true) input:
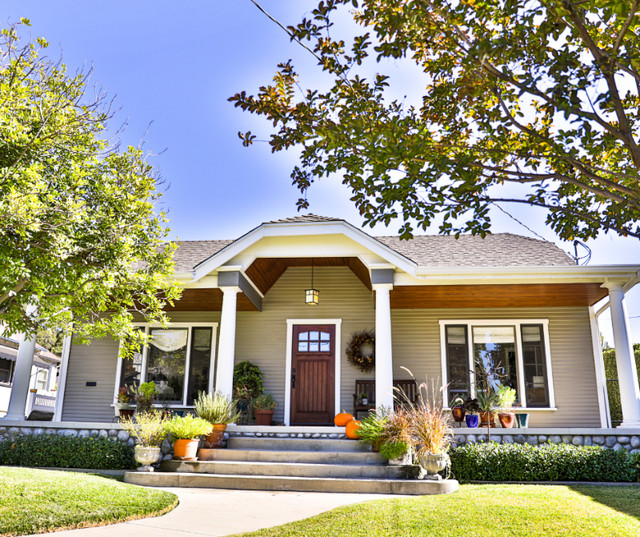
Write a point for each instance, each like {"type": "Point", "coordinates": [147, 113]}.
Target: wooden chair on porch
{"type": "Point", "coordinates": [368, 387]}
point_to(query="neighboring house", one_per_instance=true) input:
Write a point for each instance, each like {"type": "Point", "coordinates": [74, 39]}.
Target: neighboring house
{"type": "Point", "coordinates": [433, 302]}
{"type": "Point", "coordinates": [42, 382]}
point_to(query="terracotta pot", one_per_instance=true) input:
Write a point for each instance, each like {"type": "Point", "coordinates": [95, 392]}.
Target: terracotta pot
{"type": "Point", "coordinates": [507, 419]}
{"type": "Point", "coordinates": [458, 413]}
{"type": "Point", "coordinates": [146, 456]}
{"type": "Point", "coordinates": [126, 413]}
{"type": "Point", "coordinates": [263, 417]}
{"type": "Point", "coordinates": [484, 419]}
{"type": "Point", "coordinates": [215, 438]}
{"type": "Point", "coordinates": [186, 450]}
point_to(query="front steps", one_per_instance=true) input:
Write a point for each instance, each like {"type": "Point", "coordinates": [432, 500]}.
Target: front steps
{"type": "Point", "coordinates": [293, 464]}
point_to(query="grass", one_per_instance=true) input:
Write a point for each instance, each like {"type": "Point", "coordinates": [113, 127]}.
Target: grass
{"type": "Point", "coordinates": [37, 501]}
{"type": "Point", "coordinates": [482, 510]}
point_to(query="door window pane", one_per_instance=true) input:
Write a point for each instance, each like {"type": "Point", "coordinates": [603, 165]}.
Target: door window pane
{"type": "Point", "coordinates": [314, 341]}
{"type": "Point", "coordinates": [535, 366]}
{"type": "Point", "coordinates": [200, 363]}
{"type": "Point", "coordinates": [457, 362]}
{"type": "Point", "coordinates": [166, 363]}
{"type": "Point", "coordinates": [131, 369]}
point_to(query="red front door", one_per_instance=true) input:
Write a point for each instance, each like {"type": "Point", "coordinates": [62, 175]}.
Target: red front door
{"type": "Point", "coordinates": [313, 375]}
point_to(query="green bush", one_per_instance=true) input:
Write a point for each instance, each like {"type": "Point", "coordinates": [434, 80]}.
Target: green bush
{"type": "Point", "coordinates": [548, 462]}
{"type": "Point", "coordinates": [56, 451]}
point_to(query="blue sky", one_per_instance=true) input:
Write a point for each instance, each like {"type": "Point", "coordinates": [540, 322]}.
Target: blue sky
{"type": "Point", "coordinates": [173, 65]}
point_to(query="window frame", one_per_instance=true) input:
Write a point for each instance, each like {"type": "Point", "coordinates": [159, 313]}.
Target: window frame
{"type": "Point", "coordinates": [145, 354]}
{"type": "Point", "coordinates": [516, 324]}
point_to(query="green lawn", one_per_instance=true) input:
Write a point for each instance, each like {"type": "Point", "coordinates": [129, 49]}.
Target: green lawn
{"type": "Point", "coordinates": [483, 510]}
{"type": "Point", "coordinates": [36, 501]}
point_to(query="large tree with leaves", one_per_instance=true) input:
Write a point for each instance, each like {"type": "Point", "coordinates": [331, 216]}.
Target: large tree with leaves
{"type": "Point", "coordinates": [532, 102]}
{"type": "Point", "coordinates": [79, 236]}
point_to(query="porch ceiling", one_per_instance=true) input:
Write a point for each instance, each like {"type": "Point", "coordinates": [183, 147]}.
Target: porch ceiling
{"type": "Point", "coordinates": [496, 296]}
{"type": "Point", "coordinates": [208, 299]}
{"type": "Point", "coordinates": [265, 271]}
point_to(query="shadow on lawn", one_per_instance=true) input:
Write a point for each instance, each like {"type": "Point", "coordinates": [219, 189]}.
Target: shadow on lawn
{"type": "Point", "coordinates": [621, 497]}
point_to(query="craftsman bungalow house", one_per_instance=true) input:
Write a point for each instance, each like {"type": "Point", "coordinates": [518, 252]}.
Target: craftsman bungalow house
{"type": "Point", "coordinates": [433, 302]}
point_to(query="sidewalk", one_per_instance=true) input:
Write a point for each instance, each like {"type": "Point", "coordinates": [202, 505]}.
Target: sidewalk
{"type": "Point", "coordinates": [216, 512]}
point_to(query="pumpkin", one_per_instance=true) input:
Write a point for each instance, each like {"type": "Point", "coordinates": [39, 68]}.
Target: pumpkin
{"type": "Point", "coordinates": [352, 429]}
{"type": "Point", "coordinates": [342, 419]}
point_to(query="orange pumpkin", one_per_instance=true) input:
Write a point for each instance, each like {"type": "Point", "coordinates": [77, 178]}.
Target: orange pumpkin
{"type": "Point", "coordinates": [352, 429]}
{"type": "Point", "coordinates": [342, 419]}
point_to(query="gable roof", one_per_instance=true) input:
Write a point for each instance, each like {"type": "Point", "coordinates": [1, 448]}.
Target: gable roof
{"type": "Point", "coordinates": [497, 250]}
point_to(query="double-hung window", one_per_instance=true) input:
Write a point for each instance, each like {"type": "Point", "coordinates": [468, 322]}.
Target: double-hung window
{"type": "Point", "coordinates": [179, 359]}
{"type": "Point", "coordinates": [520, 348]}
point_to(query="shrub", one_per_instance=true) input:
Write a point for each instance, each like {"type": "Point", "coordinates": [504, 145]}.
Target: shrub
{"type": "Point", "coordinates": [548, 462]}
{"type": "Point", "coordinates": [265, 401]}
{"type": "Point", "coordinates": [56, 451]}
{"type": "Point", "coordinates": [613, 389]}
{"type": "Point", "coordinates": [188, 427]}
{"type": "Point", "coordinates": [216, 408]}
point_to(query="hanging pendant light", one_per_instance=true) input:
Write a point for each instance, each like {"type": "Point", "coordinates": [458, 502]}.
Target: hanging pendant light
{"type": "Point", "coordinates": [311, 296]}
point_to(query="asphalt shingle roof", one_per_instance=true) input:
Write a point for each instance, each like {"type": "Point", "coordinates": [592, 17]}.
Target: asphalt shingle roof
{"type": "Point", "coordinates": [497, 250]}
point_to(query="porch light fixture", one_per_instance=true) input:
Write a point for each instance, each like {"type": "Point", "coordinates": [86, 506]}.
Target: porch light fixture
{"type": "Point", "coordinates": [311, 296]}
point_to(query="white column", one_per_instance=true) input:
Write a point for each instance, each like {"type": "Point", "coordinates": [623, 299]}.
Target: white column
{"type": "Point", "coordinates": [227, 342]}
{"type": "Point", "coordinates": [384, 361]}
{"type": "Point", "coordinates": [21, 378]}
{"type": "Point", "coordinates": [625, 362]}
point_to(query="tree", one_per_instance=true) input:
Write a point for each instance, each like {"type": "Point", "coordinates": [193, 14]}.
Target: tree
{"type": "Point", "coordinates": [79, 239]}
{"type": "Point", "coordinates": [533, 102]}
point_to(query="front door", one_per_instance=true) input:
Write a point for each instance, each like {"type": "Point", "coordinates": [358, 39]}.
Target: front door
{"type": "Point", "coordinates": [313, 374]}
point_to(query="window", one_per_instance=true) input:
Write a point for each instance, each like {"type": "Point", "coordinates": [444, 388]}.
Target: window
{"type": "Point", "coordinates": [519, 347]}
{"type": "Point", "coordinates": [314, 341]}
{"type": "Point", "coordinates": [6, 371]}
{"type": "Point", "coordinates": [179, 359]}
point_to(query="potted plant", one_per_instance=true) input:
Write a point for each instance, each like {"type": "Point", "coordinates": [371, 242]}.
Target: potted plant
{"type": "Point", "coordinates": [397, 442]}
{"type": "Point", "coordinates": [247, 385]}
{"type": "Point", "coordinates": [263, 407]}
{"type": "Point", "coordinates": [145, 395]}
{"type": "Point", "coordinates": [125, 405]}
{"type": "Point", "coordinates": [149, 430]}
{"type": "Point", "coordinates": [372, 428]}
{"type": "Point", "coordinates": [471, 412]}
{"type": "Point", "coordinates": [186, 431]}
{"type": "Point", "coordinates": [363, 398]}
{"type": "Point", "coordinates": [219, 410]}
{"type": "Point", "coordinates": [506, 399]}
{"type": "Point", "coordinates": [488, 403]}
{"type": "Point", "coordinates": [457, 409]}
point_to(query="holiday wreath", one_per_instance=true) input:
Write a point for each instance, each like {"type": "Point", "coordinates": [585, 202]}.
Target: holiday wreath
{"type": "Point", "coordinates": [361, 350]}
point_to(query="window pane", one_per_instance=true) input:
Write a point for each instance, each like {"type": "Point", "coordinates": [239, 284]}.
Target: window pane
{"type": "Point", "coordinates": [315, 336]}
{"type": "Point", "coordinates": [535, 366]}
{"type": "Point", "coordinates": [457, 362]}
{"type": "Point", "coordinates": [200, 363]}
{"type": "Point", "coordinates": [313, 347]}
{"type": "Point", "coordinates": [303, 336]}
{"type": "Point", "coordinates": [498, 344]}
{"type": "Point", "coordinates": [131, 369]}
{"type": "Point", "coordinates": [166, 363]}
{"type": "Point", "coordinates": [6, 370]}
{"type": "Point", "coordinates": [325, 336]}
{"type": "Point", "coordinates": [303, 347]}
{"type": "Point", "coordinates": [325, 346]}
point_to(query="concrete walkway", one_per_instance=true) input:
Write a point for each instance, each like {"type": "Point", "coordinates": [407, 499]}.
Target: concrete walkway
{"type": "Point", "coordinates": [216, 512]}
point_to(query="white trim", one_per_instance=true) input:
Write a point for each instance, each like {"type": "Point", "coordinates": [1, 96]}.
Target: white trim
{"type": "Point", "coordinates": [288, 356]}
{"type": "Point", "coordinates": [516, 324]}
{"type": "Point", "coordinates": [214, 357]}
{"type": "Point", "coordinates": [62, 378]}
{"type": "Point", "coordinates": [601, 378]}
{"type": "Point", "coordinates": [444, 373]}
{"type": "Point", "coordinates": [145, 352]}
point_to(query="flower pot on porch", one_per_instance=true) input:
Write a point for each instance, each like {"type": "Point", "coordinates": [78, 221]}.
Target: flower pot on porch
{"type": "Point", "coordinates": [458, 413]}
{"type": "Point", "coordinates": [487, 418]}
{"type": "Point", "coordinates": [472, 420]}
{"type": "Point", "coordinates": [432, 462]}
{"type": "Point", "coordinates": [186, 450]}
{"type": "Point", "coordinates": [215, 439]}
{"type": "Point", "coordinates": [263, 417]}
{"type": "Point", "coordinates": [507, 419]}
{"type": "Point", "coordinates": [523, 420]}
{"type": "Point", "coordinates": [126, 412]}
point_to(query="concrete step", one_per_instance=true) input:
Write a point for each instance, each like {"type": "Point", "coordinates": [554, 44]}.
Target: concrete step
{"type": "Point", "coordinates": [316, 457]}
{"type": "Point", "coordinates": [353, 471]}
{"type": "Point", "coordinates": [302, 484]}
{"type": "Point", "coordinates": [296, 444]}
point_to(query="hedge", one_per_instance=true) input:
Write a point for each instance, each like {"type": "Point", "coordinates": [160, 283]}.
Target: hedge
{"type": "Point", "coordinates": [547, 462]}
{"type": "Point", "coordinates": [56, 451]}
{"type": "Point", "coordinates": [613, 389]}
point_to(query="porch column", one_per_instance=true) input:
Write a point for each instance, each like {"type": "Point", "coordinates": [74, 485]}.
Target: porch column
{"type": "Point", "coordinates": [384, 361]}
{"type": "Point", "coordinates": [625, 362]}
{"type": "Point", "coordinates": [21, 376]}
{"type": "Point", "coordinates": [227, 341]}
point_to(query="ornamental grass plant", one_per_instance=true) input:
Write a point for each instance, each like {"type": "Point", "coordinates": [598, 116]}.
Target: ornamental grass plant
{"type": "Point", "coordinates": [216, 408]}
{"type": "Point", "coordinates": [148, 428]}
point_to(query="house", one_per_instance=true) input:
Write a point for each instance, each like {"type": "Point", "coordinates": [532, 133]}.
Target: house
{"type": "Point", "coordinates": [42, 379]}
{"type": "Point", "coordinates": [433, 302]}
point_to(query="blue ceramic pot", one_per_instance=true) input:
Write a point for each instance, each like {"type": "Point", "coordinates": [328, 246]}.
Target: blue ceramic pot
{"type": "Point", "coordinates": [472, 420]}
{"type": "Point", "coordinates": [523, 420]}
